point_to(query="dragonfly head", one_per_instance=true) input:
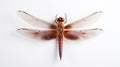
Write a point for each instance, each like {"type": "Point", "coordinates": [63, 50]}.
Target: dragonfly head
{"type": "Point", "coordinates": [61, 19]}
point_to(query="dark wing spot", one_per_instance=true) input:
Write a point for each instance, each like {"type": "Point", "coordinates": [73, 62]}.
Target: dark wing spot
{"type": "Point", "coordinates": [53, 27]}
{"type": "Point", "coordinates": [49, 35]}
{"type": "Point", "coordinates": [70, 36]}
{"type": "Point", "coordinates": [68, 27]}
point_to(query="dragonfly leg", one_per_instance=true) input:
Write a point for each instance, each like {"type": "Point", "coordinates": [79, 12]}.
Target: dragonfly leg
{"type": "Point", "coordinates": [65, 17]}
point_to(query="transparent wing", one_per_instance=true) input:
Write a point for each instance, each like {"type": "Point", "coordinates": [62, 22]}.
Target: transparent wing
{"type": "Point", "coordinates": [85, 21]}
{"type": "Point", "coordinates": [37, 34]}
{"type": "Point", "coordinates": [81, 34]}
{"type": "Point", "coordinates": [34, 21]}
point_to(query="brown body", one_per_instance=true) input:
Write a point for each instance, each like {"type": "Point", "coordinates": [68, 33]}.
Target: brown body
{"type": "Point", "coordinates": [58, 31]}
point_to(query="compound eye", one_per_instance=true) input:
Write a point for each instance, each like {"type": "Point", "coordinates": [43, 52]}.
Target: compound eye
{"type": "Point", "coordinates": [60, 19]}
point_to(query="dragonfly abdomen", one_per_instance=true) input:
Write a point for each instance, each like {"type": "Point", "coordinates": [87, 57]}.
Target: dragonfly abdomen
{"type": "Point", "coordinates": [60, 43]}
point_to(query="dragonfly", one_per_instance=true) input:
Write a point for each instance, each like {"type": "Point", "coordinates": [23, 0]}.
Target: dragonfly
{"type": "Point", "coordinates": [58, 29]}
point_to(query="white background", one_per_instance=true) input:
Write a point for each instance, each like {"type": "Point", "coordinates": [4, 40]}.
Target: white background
{"type": "Point", "coordinates": [19, 51]}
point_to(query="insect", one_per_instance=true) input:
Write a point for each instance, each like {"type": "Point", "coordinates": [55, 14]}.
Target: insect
{"type": "Point", "coordinates": [58, 30]}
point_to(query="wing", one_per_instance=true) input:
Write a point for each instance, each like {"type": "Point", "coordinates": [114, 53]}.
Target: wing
{"type": "Point", "coordinates": [35, 21]}
{"type": "Point", "coordinates": [81, 34]}
{"type": "Point", "coordinates": [37, 34]}
{"type": "Point", "coordinates": [85, 21]}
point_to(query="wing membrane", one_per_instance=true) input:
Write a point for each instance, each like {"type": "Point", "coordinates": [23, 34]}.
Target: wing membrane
{"type": "Point", "coordinates": [81, 34]}
{"type": "Point", "coordinates": [85, 21]}
{"type": "Point", "coordinates": [34, 21]}
{"type": "Point", "coordinates": [45, 35]}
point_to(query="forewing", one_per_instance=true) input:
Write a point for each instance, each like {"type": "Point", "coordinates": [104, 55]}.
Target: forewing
{"type": "Point", "coordinates": [81, 34]}
{"type": "Point", "coordinates": [35, 21]}
{"type": "Point", "coordinates": [37, 34]}
{"type": "Point", "coordinates": [85, 21]}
